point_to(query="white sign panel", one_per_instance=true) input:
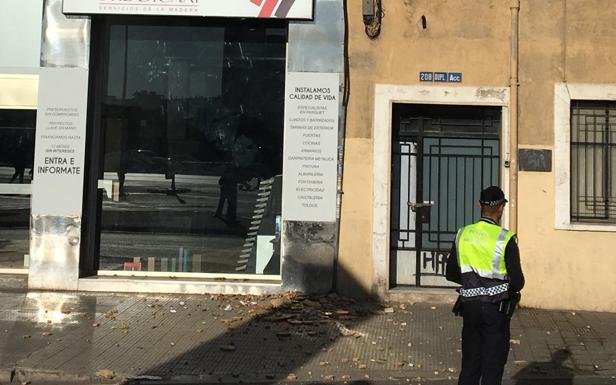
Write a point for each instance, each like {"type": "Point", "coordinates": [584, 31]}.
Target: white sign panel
{"type": "Point", "coordinates": [57, 186]}
{"type": "Point", "coordinates": [310, 147]}
{"type": "Point", "coordinates": [282, 9]}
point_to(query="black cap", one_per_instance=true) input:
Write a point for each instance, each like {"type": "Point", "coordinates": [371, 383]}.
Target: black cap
{"type": "Point", "coordinates": [492, 196]}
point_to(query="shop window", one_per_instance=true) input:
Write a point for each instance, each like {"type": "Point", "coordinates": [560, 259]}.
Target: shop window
{"type": "Point", "coordinates": [593, 161]}
{"type": "Point", "coordinates": [16, 157]}
{"type": "Point", "coordinates": [191, 130]}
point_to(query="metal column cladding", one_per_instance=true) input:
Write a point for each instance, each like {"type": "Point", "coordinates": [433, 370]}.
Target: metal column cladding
{"type": "Point", "coordinates": [55, 230]}
{"type": "Point", "coordinates": [318, 46]}
{"type": "Point", "coordinates": [65, 41]}
{"type": "Point", "coordinates": [309, 248]}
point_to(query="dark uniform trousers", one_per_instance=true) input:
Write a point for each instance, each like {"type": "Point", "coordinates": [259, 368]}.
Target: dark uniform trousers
{"type": "Point", "coordinates": [485, 344]}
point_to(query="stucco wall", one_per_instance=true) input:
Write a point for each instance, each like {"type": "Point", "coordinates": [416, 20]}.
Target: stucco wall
{"type": "Point", "coordinates": [560, 41]}
{"type": "Point", "coordinates": [470, 38]}
{"type": "Point", "coordinates": [563, 269]}
{"type": "Point", "coordinates": [571, 41]}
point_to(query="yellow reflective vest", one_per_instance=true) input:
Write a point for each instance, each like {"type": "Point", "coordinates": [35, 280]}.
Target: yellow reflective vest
{"type": "Point", "coordinates": [481, 256]}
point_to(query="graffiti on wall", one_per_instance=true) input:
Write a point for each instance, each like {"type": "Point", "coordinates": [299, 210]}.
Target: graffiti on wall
{"type": "Point", "coordinates": [434, 262]}
{"type": "Point", "coordinates": [433, 268]}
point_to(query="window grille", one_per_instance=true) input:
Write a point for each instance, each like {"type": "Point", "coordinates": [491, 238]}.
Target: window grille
{"type": "Point", "coordinates": [593, 161]}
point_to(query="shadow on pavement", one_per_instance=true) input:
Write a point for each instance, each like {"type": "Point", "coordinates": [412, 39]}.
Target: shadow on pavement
{"type": "Point", "coordinates": [271, 339]}
{"type": "Point", "coordinates": [556, 370]}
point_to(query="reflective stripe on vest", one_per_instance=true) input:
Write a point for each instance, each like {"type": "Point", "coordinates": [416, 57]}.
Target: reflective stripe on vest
{"type": "Point", "coordinates": [481, 249]}
{"type": "Point", "coordinates": [481, 291]}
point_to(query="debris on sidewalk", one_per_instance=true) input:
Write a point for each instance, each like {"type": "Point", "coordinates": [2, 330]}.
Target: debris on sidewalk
{"type": "Point", "coordinates": [277, 302]}
{"type": "Point", "coordinates": [106, 374]}
{"type": "Point", "coordinates": [228, 322]}
{"type": "Point", "coordinates": [228, 348]}
{"type": "Point", "coordinates": [284, 337]}
{"type": "Point", "coordinates": [111, 314]}
{"type": "Point", "coordinates": [348, 332]}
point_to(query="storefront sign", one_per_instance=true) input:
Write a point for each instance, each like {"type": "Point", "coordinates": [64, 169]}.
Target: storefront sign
{"type": "Point", "coordinates": [282, 9]}
{"type": "Point", "coordinates": [57, 187]}
{"type": "Point", "coordinates": [311, 147]}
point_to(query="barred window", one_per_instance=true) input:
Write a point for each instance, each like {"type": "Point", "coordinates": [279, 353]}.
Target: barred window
{"type": "Point", "coordinates": [593, 161]}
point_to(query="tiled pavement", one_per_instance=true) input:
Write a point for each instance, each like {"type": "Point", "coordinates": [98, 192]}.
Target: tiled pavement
{"type": "Point", "coordinates": [208, 339]}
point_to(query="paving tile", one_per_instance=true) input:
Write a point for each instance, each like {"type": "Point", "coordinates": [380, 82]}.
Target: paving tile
{"type": "Point", "coordinates": [173, 336]}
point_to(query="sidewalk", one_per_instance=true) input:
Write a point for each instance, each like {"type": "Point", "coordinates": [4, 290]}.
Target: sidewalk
{"type": "Point", "coordinates": [59, 338]}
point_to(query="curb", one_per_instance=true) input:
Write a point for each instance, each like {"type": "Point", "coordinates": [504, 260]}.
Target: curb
{"type": "Point", "coordinates": [395, 378]}
{"type": "Point", "coordinates": [35, 376]}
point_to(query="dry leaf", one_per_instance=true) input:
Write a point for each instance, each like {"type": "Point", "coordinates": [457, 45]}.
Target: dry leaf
{"type": "Point", "coordinates": [104, 373]}
{"type": "Point", "coordinates": [277, 302]}
{"type": "Point", "coordinates": [348, 332]}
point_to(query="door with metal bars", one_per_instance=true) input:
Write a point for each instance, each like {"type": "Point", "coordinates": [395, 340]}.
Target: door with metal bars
{"type": "Point", "coordinates": [442, 156]}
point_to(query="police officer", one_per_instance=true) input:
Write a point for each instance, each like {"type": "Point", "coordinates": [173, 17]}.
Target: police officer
{"type": "Point", "coordinates": [485, 260]}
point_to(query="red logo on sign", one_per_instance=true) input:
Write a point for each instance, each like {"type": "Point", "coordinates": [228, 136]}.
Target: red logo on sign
{"type": "Point", "coordinates": [267, 7]}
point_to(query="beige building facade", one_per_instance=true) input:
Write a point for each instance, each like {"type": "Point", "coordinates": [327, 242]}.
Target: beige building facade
{"type": "Point", "coordinates": [435, 114]}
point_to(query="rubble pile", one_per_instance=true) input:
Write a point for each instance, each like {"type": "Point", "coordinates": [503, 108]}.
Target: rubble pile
{"type": "Point", "coordinates": [297, 313]}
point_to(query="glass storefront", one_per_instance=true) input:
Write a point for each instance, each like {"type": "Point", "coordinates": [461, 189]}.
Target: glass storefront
{"type": "Point", "coordinates": [191, 133]}
{"type": "Point", "coordinates": [16, 156]}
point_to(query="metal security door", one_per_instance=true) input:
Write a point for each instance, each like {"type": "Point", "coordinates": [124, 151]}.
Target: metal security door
{"type": "Point", "coordinates": [442, 156]}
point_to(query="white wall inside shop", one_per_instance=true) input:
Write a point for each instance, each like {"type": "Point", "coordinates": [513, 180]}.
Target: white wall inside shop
{"type": "Point", "coordinates": [20, 35]}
